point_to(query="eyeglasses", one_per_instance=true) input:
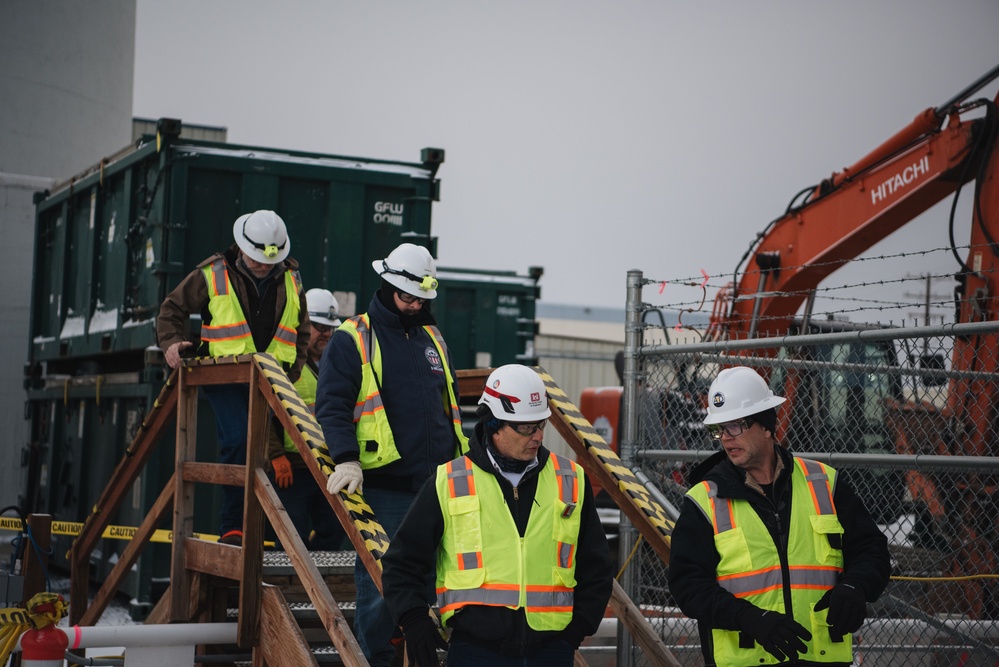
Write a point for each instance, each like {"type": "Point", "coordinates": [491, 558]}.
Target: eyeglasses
{"type": "Point", "coordinates": [528, 429]}
{"type": "Point", "coordinates": [322, 328]}
{"type": "Point", "coordinates": [732, 428]}
{"type": "Point", "coordinates": [406, 297]}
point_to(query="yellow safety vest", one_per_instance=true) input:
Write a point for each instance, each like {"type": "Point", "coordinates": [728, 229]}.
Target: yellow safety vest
{"type": "Point", "coordinates": [306, 387]}
{"type": "Point", "coordinates": [229, 333]}
{"type": "Point", "coordinates": [750, 566]}
{"type": "Point", "coordinates": [369, 412]}
{"type": "Point", "coordinates": [495, 567]}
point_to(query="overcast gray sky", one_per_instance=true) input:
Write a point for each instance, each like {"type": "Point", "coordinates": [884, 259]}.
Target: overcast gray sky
{"type": "Point", "coordinates": [586, 137]}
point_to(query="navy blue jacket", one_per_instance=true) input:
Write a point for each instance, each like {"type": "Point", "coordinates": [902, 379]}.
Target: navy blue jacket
{"type": "Point", "coordinates": [414, 393]}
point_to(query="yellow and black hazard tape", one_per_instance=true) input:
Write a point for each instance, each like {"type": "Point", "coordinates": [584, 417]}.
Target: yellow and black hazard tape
{"type": "Point", "coordinates": [361, 514]}
{"type": "Point", "coordinates": [596, 446]}
{"type": "Point", "coordinates": [111, 532]}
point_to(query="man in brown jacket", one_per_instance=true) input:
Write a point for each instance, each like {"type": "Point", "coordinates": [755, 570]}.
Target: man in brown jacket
{"type": "Point", "coordinates": [250, 299]}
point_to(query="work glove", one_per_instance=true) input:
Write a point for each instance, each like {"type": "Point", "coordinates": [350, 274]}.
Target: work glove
{"type": "Point", "coordinates": [779, 635]}
{"type": "Point", "coordinates": [282, 471]}
{"type": "Point", "coordinates": [847, 609]}
{"type": "Point", "coordinates": [347, 474]}
{"type": "Point", "coordinates": [423, 637]}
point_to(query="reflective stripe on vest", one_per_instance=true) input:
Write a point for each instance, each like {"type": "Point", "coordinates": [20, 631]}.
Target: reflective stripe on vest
{"type": "Point", "coordinates": [750, 566]}
{"type": "Point", "coordinates": [229, 333]}
{"type": "Point", "coordinates": [521, 571]}
{"type": "Point", "coordinates": [375, 440]}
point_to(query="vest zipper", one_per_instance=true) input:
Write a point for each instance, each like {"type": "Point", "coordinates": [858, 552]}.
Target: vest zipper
{"type": "Point", "coordinates": [516, 496]}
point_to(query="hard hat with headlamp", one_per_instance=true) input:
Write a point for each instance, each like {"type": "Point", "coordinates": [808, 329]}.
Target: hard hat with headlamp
{"type": "Point", "coordinates": [737, 393]}
{"type": "Point", "coordinates": [411, 269]}
{"type": "Point", "coordinates": [262, 236]}
{"type": "Point", "coordinates": [322, 307]}
{"type": "Point", "coordinates": [515, 393]}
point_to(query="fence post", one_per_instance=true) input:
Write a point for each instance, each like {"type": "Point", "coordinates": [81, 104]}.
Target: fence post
{"type": "Point", "coordinates": [629, 434]}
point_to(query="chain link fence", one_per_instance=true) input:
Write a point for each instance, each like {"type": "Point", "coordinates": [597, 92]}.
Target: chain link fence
{"type": "Point", "coordinates": [913, 435]}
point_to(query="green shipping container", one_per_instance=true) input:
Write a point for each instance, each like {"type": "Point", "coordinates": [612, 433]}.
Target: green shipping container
{"type": "Point", "coordinates": [110, 244]}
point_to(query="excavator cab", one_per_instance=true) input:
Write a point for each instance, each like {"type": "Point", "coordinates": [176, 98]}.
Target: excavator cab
{"type": "Point", "coordinates": [839, 397]}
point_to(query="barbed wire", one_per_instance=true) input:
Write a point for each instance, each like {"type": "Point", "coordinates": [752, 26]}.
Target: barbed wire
{"type": "Point", "coordinates": [825, 294]}
{"type": "Point", "coordinates": [697, 281]}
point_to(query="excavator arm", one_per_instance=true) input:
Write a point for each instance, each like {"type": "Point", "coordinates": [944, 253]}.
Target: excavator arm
{"type": "Point", "coordinates": [845, 215]}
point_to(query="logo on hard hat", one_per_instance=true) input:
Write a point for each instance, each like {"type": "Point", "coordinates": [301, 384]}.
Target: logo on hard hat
{"type": "Point", "coordinates": [718, 399]}
{"type": "Point", "coordinates": [535, 397]}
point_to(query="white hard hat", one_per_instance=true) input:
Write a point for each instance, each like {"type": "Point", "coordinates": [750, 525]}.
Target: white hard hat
{"type": "Point", "coordinates": [322, 306]}
{"type": "Point", "coordinates": [738, 392]}
{"type": "Point", "coordinates": [410, 268]}
{"type": "Point", "coordinates": [262, 236]}
{"type": "Point", "coordinates": [515, 393]}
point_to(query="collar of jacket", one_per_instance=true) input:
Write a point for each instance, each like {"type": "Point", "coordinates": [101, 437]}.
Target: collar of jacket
{"type": "Point", "coordinates": [383, 317]}
{"type": "Point", "coordinates": [477, 452]}
{"type": "Point", "coordinates": [732, 481]}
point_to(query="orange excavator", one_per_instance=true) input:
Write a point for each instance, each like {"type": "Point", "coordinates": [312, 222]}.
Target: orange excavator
{"type": "Point", "coordinates": [940, 152]}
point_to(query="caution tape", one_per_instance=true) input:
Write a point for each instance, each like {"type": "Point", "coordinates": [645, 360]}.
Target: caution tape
{"type": "Point", "coordinates": [111, 532]}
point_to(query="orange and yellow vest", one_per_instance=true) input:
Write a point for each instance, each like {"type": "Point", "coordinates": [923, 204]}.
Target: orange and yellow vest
{"type": "Point", "coordinates": [229, 332]}
{"type": "Point", "coordinates": [496, 567]}
{"type": "Point", "coordinates": [370, 419]}
{"type": "Point", "coordinates": [750, 566]}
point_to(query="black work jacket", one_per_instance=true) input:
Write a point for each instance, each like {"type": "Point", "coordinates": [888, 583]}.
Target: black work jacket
{"type": "Point", "coordinates": [412, 556]}
{"type": "Point", "coordinates": [694, 559]}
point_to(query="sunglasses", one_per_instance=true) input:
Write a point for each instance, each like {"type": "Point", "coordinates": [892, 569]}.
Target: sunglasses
{"type": "Point", "coordinates": [406, 297]}
{"type": "Point", "coordinates": [528, 429]}
{"type": "Point", "coordinates": [731, 428]}
{"type": "Point", "coordinates": [322, 328]}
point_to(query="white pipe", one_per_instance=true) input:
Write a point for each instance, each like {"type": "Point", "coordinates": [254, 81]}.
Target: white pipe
{"type": "Point", "coordinates": [179, 634]}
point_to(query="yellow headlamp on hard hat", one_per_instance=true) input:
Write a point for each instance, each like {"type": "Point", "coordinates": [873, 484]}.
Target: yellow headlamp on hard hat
{"type": "Point", "coordinates": [428, 283]}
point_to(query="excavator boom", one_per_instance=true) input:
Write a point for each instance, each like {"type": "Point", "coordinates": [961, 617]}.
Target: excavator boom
{"type": "Point", "coordinates": [845, 215]}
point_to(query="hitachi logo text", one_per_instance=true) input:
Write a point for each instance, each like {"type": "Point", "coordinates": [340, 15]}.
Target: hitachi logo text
{"type": "Point", "coordinates": [901, 179]}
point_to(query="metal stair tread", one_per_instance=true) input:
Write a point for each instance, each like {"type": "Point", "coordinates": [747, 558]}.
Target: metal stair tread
{"type": "Point", "coordinates": [278, 563]}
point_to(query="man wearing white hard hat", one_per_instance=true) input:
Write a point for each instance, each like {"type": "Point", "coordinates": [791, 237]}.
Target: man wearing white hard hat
{"type": "Point", "coordinates": [774, 555]}
{"type": "Point", "coordinates": [307, 508]}
{"type": "Point", "coordinates": [387, 404]}
{"type": "Point", "coordinates": [523, 570]}
{"type": "Point", "coordinates": [250, 299]}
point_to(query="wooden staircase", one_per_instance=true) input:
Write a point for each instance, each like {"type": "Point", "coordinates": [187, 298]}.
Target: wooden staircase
{"type": "Point", "coordinates": [294, 608]}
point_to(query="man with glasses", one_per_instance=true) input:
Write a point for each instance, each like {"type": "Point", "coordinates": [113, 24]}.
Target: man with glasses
{"type": "Point", "coordinates": [774, 555]}
{"type": "Point", "coordinates": [250, 299]}
{"type": "Point", "coordinates": [387, 404]}
{"type": "Point", "coordinates": [316, 523]}
{"type": "Point", "coordinates": [523, 571]}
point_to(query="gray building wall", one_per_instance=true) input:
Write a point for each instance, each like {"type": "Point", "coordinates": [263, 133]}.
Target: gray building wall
{"type": "Point", "coordinates": [66, 76]}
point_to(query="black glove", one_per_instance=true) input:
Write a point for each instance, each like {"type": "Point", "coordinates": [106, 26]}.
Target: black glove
{"type": "Point", "coordinates": [847, 609]}
{"type": "Point", "coordinates": [779, 635]}
{"type": "Point", "coordinates": [423, 637]}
